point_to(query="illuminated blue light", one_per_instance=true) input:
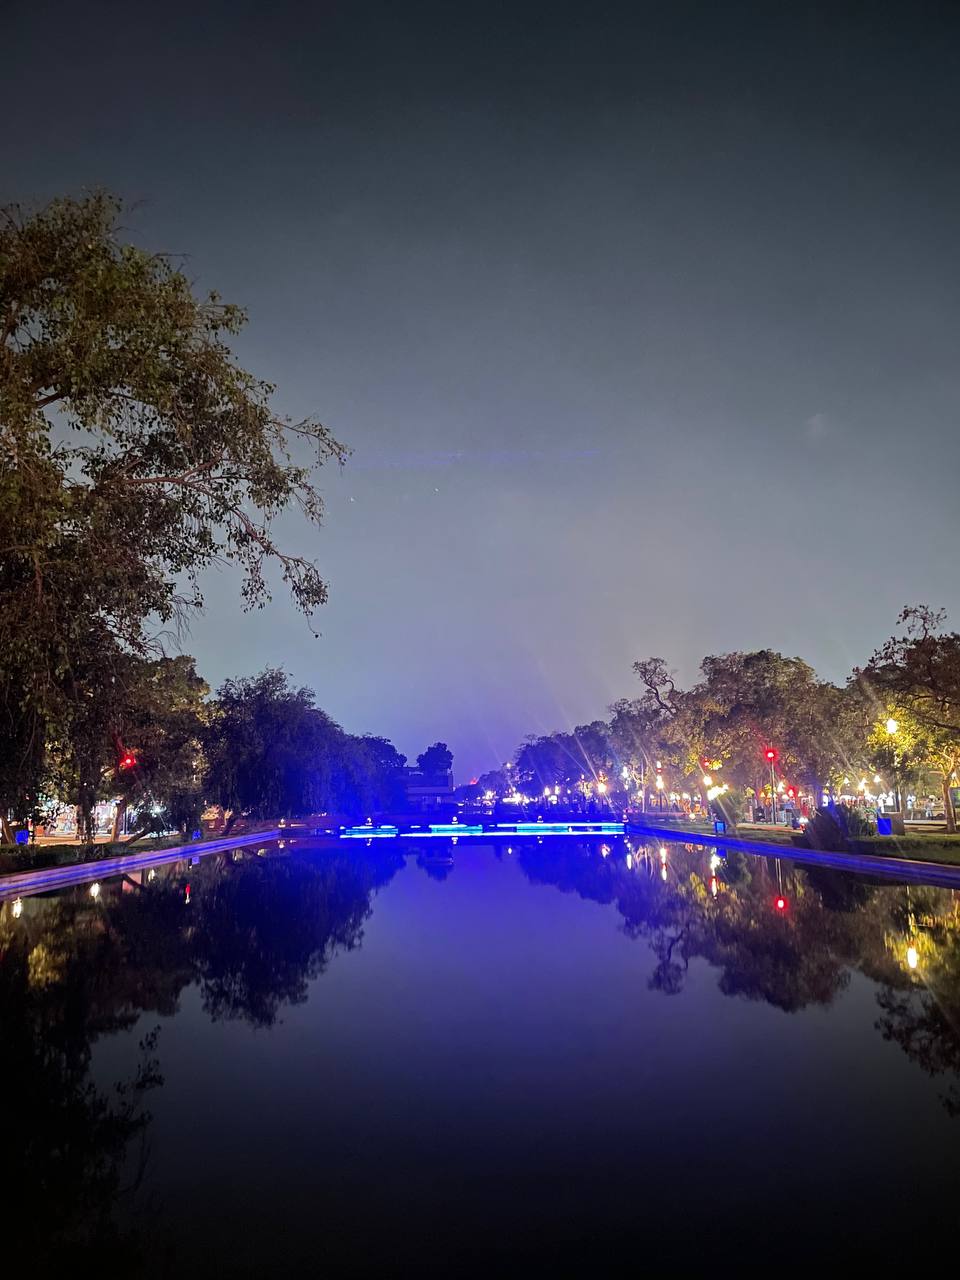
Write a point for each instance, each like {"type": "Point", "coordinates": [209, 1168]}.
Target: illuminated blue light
{"type": "Point", "coordinates": [563, 828]}
{"type": "Point", "coordinates": [455, 830]}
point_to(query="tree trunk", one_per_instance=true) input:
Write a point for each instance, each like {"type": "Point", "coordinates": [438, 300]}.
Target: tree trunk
{"type": "Point", "coordinates": [229, 824]}
{"type": "Point", "coordinates": [83, 819]}
{"type": "Point", "coordinates": [948, 812]}
{"type": "Point", "coordinates": [118, 818]}
{"type": "Point", "coordinates": [6, 829]}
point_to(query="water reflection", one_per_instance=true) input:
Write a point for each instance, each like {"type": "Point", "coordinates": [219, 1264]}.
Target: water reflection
{"type": "Point", "coordinates": [783, 934]}
{"type": "Point", "coordinates": [436, 862]}
{"type": "Point", "coordinates": [250, 931]}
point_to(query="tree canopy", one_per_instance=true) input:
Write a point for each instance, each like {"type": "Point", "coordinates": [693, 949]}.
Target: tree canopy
{"type": "Point", "coordinates": [916, 675]}
{"type": "Point", "coordinates": [134, 453]}
{"type": "Point", "coordinates": [272, 752]}
{"type": "Point", "coordinates": [437, 759]}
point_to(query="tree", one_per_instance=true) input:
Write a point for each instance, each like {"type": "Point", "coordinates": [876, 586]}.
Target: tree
{"type": "Point", "coordinates": [743, 703]}
{"type": "Point", "coordinates": [156, 746]}
{"type": "Point", "coordinates": [553, 758]}
{"type": "Point", "coordinates": [548, 760]}
{"type": "Point", "coordinates": [920, 671]}
{"type": "Point", "coordinates": [134, 732]}
{"type": "Point", "coordinates": [437, 759]}
{"type": "Point", "coordinates": [383, 765]}
{"type": "Point", "coordinates": [270, 751]}
{"type": "Point", "coordinates": [135, 452]}
{"type": "Point", "coordinates": [665, 723]}
{"type": "Point", "coordinates": [494, 780]}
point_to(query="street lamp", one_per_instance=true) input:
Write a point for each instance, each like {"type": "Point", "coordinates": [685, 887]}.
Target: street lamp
{"type": "Point", "coordinates": [771, 755]}
{"type": "Point", "coordinates": [893, 728]}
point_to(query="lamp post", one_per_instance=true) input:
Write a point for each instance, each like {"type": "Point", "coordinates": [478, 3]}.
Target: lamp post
{"type": "Point", "coordinates": [659, 786]}
{"type": "Point", "coordinates": [893, 728]}
{"type": "Point", "coordinates": [771, 755]}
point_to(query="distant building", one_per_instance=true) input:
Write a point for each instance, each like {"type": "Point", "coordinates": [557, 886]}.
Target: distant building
{"type": "Point", "coordinates": [427, 790]}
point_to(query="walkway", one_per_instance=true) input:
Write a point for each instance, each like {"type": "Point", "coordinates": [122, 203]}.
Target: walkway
{"type": "Point", "coordinates": [22, 883]}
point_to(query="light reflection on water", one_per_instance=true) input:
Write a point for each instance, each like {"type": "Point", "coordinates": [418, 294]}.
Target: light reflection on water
{"type": "Point", "coordinates": [396, 1046]}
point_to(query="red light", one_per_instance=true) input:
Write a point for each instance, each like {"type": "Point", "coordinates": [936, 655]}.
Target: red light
{"type": "Point", "coordinates": [128, 760]}
{"type": "Point", "coordinates": [186, 896]}
{"type": "Point", "coordinates": [790, 792]}
{"type": "Point", "coordinates": [781, 904]}
{"type": "Point", "coordinates": [771, 754]}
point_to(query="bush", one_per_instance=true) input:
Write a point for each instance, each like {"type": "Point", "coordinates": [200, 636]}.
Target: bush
{"type": "Point", "coordinates": [856, 823]}
{"type": "Point", "coordinates": [825, 832]}
{"type": "Point", "coordinates": [731, 807]}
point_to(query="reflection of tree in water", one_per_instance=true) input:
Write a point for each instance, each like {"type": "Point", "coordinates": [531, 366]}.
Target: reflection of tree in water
{"type": "Point", "coordinates": [252, 936]}
{"type": "Point", "coordinates": [923, 1018]}
{"type": "Point", "coordinates": [65, 1141]}
{"type": "Point", "coordinates": [262, 936]}
{"type": "Point", "coordinates": [436, 862]}
{"type": "Point", "coordinates": [834, 924]}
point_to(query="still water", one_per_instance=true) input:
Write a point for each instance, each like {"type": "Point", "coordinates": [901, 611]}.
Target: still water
{"type": "Point", "coordinates": [567, 1056]}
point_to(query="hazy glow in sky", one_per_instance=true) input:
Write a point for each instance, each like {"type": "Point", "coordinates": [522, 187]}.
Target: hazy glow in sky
{"type": "Point", "coordinates": [642, 324]}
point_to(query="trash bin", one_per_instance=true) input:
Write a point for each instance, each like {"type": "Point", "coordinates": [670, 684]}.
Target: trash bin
{"type": "Point", "coordinates": [884, 825]}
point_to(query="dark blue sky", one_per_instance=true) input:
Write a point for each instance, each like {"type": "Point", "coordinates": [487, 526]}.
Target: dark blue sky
{"type": "Point", "coordinates": [641, 321]}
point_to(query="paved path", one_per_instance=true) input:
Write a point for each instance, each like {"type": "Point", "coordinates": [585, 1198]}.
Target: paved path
{"type": "Point", "coordinates": [874, 864]}
{"type": "Point", "coordinates": [25, 883]}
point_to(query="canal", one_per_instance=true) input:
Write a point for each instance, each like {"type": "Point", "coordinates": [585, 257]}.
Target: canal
{"type": "Point", "coordinates": [560, 1054]}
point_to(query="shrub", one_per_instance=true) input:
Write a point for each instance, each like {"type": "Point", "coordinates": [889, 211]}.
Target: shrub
{"type": "Point", "coordinates": [856, 823]}
{"type": "Point", "coordinates": [824, 831]}
{"type": "Point", "coordinates": [731, 807]}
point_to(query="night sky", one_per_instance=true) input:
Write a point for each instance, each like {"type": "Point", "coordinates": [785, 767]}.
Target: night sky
{"type": "Point", "coordinates": [641, 321]}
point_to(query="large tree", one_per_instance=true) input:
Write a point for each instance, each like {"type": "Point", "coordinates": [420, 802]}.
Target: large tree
{"type": "Point", "coordinates": [134, 453]}
{"type": "Point", "coordinates": [919, 670]}
{"type": "Point", "coordinates": [269, 748]}
{"type": "Point", "coordinates": [437, 759]}
{"type": "Point", "coordinates": [270, 751]}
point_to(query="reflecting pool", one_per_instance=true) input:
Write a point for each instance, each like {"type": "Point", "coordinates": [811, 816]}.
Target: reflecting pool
{"type": "Point", "coordinates": [561, 1054]}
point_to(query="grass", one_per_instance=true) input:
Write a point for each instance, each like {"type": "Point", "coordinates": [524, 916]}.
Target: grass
{"type": "Point", "coordinates": [764, 832]}
{"type": "Point", "coordinates": [937, 847]}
